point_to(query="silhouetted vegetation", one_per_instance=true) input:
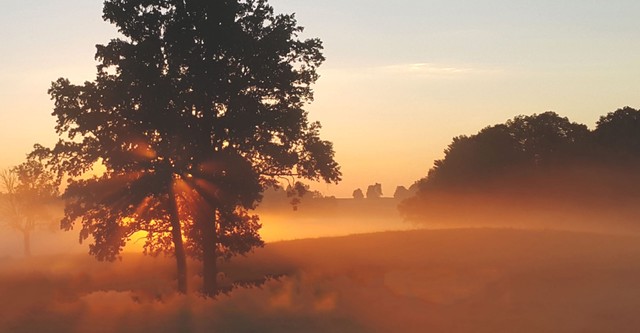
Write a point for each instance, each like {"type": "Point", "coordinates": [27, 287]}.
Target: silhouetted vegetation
{"type": "Point", "coordinates": [193, 113]}
{"type": "Point", "coordinates": [540, 162]}
{"type": "Point", "coordinates": [30, 200]}
{"type": "Point", "coordinates": [374, 191]}
{"type": "Point", "coordinates": [402, 192]}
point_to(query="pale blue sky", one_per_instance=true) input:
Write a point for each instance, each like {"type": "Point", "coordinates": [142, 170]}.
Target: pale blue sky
{"type": "Point", "coordinates": [401, 78]}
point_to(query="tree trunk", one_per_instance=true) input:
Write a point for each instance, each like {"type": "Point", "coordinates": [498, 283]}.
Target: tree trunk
{"type": "Point", "coordinates": [207, 225]}
{"type": "Point", "coordinates": [26, 236]}
{"type": "Point", "coordinates": [178, 245]}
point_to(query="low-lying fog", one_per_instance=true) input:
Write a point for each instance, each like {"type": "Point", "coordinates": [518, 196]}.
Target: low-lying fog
{"type": "Point", "coordinates": [457, 280]}
{"type": "Point", "coordinates": [490, 278]}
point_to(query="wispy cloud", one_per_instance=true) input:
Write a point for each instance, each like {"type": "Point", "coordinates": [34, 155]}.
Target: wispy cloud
{"type": "Point", "coordinates": [418, 70]}
{"type": "Point", "coordinates": [434, 69]}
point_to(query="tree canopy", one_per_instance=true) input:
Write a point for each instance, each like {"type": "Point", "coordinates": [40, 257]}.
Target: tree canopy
{"type": "Point", "coordinates": [374, 191]}
{"type": "Point", "coordinates": [618, 133]}
{"type": "Point", "coordinates": [194, 111]}
{"type": "Point", "coordinates": [521, 143]}
{"type": "Point", "coordinates": [542, 157]}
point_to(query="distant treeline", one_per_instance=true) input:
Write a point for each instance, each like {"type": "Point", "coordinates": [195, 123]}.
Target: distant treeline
{"type": "Point", "coordinates": [539, 160]}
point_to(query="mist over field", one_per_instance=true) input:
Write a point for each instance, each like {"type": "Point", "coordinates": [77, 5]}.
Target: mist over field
{"type": "Point", "coordinates": [175, 187]}
{"type": "Point", "coordinates": [457, 280]}
{"type": "Point", "coordinates": [581, 197]}
{"type": "Point", "coordinates": [501, 260]}
{"type": "Point", "coordinates": [361, 268]}
{"type": "Point", "coordinates": [322, 217]}
{"type": "Point", "coordinates": [312, 218]}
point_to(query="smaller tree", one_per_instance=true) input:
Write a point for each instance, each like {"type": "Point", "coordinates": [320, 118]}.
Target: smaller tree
{"type": "Point", "coordinates": [357, 194]}
{"type": "Point", "coordinates": [401, 193]}
{"type": "Point", "coordinates": [29, 200]}
{"type": "Point", "coordinates": [374, 191]}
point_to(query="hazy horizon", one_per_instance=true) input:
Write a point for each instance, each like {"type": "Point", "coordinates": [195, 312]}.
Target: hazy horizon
{"type": "Point", "coordinates": [401, 79]}
{"type": "Point", "coordinates": [190, 144]}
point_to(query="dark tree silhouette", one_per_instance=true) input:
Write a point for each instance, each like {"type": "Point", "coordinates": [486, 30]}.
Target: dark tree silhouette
{"type": "Point", "coordinates": [547, 138]}
{"type": "Point", "coordinates": [522, 143]}
{"type": "Point", "coordinates": [193, 114]}
{"type": "Point", "coordinates": [619, 133]}
{"type": "Point", "coordinates": [402, 192]}
{"type": "Point", "coordinates": [29, 200]}
{"type": "Point", "coordinates": [374, 191]}
{"type": "Point", "coordinates": [469, 159]}
{"type": "Point", "coordinates": [542, 158]}
{"type": "Point", "coordinates": [357, 194]}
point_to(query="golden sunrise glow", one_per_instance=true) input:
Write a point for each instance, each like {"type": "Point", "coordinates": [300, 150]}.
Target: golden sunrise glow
{"type": "Point", "coordinates": [136, 242]}
{"type": "Point", "coordinates": [453, 213]}
{"type": "Point", "coordinates": [143, 206]}
{"type": "Point", "coordinates": [143, 150]}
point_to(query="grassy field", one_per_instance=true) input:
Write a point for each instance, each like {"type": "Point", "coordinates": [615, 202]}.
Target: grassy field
{"type": "Point", "coordinates": [456, 280]}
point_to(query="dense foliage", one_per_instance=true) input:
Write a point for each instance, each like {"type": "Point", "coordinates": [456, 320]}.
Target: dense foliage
{"type": "Point", "coordinates": [536, 157]}
{"type": "Point", "coordinates": [194, 111]}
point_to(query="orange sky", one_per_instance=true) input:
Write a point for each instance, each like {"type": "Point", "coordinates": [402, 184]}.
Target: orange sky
{"type": "Point", "coordinates": [401, 79]}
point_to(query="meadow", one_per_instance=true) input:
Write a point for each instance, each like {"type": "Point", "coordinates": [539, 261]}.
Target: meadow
{"type": "Point", "coordinates": [444, 280]}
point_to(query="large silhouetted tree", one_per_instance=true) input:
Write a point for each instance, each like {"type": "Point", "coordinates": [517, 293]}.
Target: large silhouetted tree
{"type": "Point", "coordinates": [29, 200]}
{"type": "Point", "coordinates": [193, 113]}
